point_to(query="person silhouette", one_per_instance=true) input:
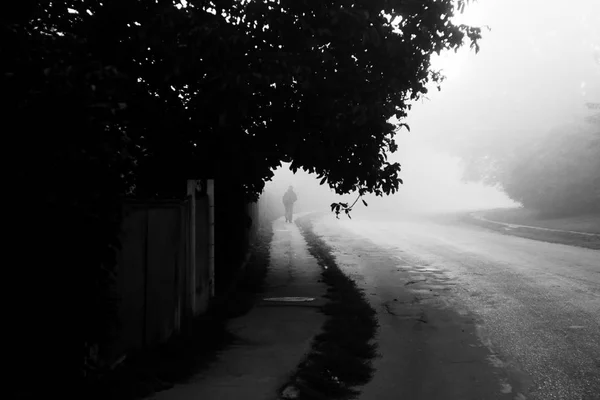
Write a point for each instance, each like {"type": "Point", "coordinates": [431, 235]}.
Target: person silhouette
{"type": "Point", "coordinates": [289, 198]}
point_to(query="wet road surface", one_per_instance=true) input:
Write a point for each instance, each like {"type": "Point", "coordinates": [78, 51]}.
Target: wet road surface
{"type": "Point", "coordinates": [467, 313]}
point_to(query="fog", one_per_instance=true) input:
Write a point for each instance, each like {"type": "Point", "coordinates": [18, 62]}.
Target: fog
{"type": "Point", "coordinates": [536, 70]}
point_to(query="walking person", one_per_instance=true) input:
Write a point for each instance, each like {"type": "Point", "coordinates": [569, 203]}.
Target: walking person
{"type": "Point", "coordinates": [289, 198]}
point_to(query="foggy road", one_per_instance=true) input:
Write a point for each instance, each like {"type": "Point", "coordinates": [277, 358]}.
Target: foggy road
{"type": "Point", "coordinates": [467, 313]}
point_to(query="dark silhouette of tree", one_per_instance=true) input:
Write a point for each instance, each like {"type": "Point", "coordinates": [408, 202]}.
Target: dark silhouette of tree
{"type": "Point", "coordinates": [240, 86]}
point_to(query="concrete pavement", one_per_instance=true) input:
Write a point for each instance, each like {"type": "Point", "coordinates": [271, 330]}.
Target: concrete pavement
{"type": "Point", "coordinates": [274, 336]}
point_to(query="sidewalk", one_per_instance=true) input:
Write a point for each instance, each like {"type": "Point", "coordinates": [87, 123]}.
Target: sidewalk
{"type": "Point", "coordinates": [273, 337]}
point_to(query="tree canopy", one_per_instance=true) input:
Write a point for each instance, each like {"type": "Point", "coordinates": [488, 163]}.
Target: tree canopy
{"type": "Point", "coordinates": [233, 88]}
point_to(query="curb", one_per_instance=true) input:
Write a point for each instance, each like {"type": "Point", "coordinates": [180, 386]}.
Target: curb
{"type": "Point", "coordinates": [534, 228]}
{"type": "Point", "coordinates": [320, 375]}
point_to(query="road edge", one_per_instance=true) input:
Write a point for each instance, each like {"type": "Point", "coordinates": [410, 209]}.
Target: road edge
{"type": "Point", "coordinates": [340, 358]}
{"type": "Point", "coordinates": [569, 238]}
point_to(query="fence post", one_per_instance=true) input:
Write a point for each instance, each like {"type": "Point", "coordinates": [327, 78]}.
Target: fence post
{"type": "Point", "coordinates": [191, 274]}
{"type": "Point", "coordinates": [210, 193]}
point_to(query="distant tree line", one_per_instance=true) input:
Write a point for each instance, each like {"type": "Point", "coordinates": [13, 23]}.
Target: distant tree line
{"type": "Point", "coordinates": [555, 172]}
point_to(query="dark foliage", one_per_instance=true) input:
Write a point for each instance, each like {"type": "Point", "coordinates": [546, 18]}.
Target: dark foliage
{"type": "Point", "coordinates": [114, 98]}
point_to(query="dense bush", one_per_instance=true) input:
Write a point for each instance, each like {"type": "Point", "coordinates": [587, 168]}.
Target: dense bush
{"type": "Point", "coordinates": [559, 174]}
{"type": "Point", "coordinates": [555, 172]}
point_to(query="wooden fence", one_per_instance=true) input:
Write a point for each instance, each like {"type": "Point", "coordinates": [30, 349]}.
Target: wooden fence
{"type": "Point", "coordinates": [172, 258]}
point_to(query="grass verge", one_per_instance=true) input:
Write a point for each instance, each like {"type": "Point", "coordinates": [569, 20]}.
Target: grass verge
{"type": "Point", "coordinates": [522, 216]}
{"type": "Point", "coordinates": [340, 357]}
{"type": "Point", "coordinates": [590, 241]}
{"type": "Point", "coordinates": [160, 367]}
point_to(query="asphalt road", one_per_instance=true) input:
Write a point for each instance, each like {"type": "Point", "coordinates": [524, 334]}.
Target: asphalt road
{"type": "Point", "coordinates": [468, 313]}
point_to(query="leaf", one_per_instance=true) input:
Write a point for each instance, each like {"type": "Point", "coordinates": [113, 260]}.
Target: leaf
{"type": "Point", "coordinates": [365, 203]}
{"type": "Point", "coordinates": [405, 126]}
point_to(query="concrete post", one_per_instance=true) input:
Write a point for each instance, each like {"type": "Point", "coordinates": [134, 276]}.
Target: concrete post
{"type": "Point", "coordinates": [210, 193]}
{"type": "Point", "coordinates": [191, 192]}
